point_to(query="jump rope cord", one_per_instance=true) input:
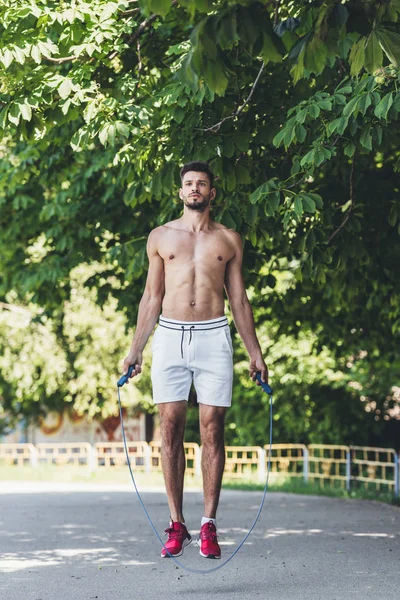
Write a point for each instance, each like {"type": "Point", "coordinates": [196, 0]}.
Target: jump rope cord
{"type": "Point", "coordinates": [176, 561]}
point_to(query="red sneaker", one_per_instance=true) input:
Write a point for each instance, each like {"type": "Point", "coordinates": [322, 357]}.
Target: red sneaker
{"type": "Point", "coordinates": [178, 538]}
{"type": "Point", "coordinates": [209, 547]}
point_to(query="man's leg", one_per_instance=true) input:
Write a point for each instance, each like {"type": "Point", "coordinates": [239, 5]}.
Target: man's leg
{"type": "Point", "coordinates": [212, 419]}
{"type": "Point", "coordinates": [173, 420]}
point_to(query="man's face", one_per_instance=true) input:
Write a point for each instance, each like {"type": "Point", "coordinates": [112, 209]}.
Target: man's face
{"type": "Point", "coordinates": [196, 191]}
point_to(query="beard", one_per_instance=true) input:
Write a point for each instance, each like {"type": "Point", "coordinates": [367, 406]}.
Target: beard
{"type": "Point", "coordinates": [197, 205]}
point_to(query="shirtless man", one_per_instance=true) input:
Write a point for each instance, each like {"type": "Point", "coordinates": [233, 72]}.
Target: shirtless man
{"type": "Point", "coordinates": [191, 260]}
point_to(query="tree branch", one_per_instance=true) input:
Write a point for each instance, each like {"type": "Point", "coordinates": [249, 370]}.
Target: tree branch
{"type": "Point", "coordinates": [352, 204]}
{"type": "Point", "coordinates": [141, 28]}
{"type": "Point", "coordinates": [237, 112]}
{"type": "Point", "coordinates": [140, 64]}
{"type": "Point", "coordinates": [59, 61]}
{"type": "Point", "coordinates": [276, 12]}
{"type": "Point", "coordinates": [126, 13]}
{"type": "Point", "coordinates": [136, 34]}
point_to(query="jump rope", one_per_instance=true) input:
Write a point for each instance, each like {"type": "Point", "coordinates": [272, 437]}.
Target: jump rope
{"type": "Point", "coordinates": [267, 389]}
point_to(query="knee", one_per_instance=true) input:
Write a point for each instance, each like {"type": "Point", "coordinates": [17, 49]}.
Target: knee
{"type": "Point", "coordinates": [172, 434]}
{"type": "Point", "coordinates": [212, 435]}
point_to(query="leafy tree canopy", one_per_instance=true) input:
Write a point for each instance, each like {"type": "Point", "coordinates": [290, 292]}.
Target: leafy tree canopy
{"type": "Point", "coordinates": [295, 105]}
{"type": "Point", "coordinates": [63, 364]}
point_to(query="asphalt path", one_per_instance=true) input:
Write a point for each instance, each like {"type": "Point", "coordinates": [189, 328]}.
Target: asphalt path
{"type": "Point", "coordinates": [81, 542]}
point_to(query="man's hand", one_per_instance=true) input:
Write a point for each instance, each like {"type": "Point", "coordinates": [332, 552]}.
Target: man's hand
{"type": "Point", "coordinates": [132, 359]}
{"type": "Point", "coordinates": [257, 364]}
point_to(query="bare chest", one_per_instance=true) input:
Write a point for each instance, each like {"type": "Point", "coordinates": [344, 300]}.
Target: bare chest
{"type": "Point", "coordinates": [200, 249]}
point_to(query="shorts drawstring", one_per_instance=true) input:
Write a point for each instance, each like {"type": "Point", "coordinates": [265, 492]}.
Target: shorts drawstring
{"type": "Point", "coordinates": [190, 336]}
{"type": "Point", "coordinates": [183, 335]}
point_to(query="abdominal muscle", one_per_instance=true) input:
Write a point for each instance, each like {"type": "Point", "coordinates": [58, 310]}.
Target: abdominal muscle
{"type": "Point", "coordinates": [192, 296]}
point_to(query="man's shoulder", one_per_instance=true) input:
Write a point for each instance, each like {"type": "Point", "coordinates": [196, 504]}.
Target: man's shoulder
{"type": "Point", "coordinates": [233, 235]}
{"type": "Point", "coordinates": [166, 227]}
{"type": "Point", "coordinates": [220, 227]}
{"type": "Point", "coordinates": [159, 231]}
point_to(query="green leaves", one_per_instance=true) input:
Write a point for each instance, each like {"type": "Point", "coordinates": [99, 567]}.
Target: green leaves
{"type": "Point", "coordinates": [366, 138]}
{"type": "Point", "coordinates": [294, 207]}
{"type": "Point", "coordinates": [298, 206]}
{"type": "Point", "coordinates": [107, 134]}
{"type": "Point", "coordinates": [96, 127]}
{"type": "Point", "coordinates": [338, 125]}
{"type": "Point", "coordinates": [26, 111]}
{"type": "Point", "coordinates": [373, 53]}
{"type": "Point", "coordinates": [263, 190]}
{"type": "Point", "coordinates": [357, 57]}
{"type": "Point", "coordinates": [6, 57]}
{"type": "Point", "coordinates": [353, 120]}
{"type": "Point", "coordinates": [217, 33]}
{"type": "Point", "coordinates": [18, 111]}
{"type": "Point", "coordinates": [272, 49]}
{"type": "Point", "coordinates": [90, 111]}
{"type": "Point", "coordinates": [390, 44]}
{"type": "Point", "coordinates": [159, 7]}
{"type": "Point", "coordinates": [226, 30]}
{"type": "Point", "coordinates": [96, 123]}
{"type": "Point", "coordinates": [394, 214]}
{"type": "Point", "coordinates": [65, 88]}
{"type": "Point", "coordinates": [215, 77]}
{"type": "Point", "coordinates": [382, 109]}
{"type": "Point", "coordinates": [105, 112]}
{"type": "Point", "coordinates": [200, 5]}
{"type": "Point", "coordinates": [367, 51]}
{"type": "Point", "coordinates": [122, 128]}
{"type": "Point", "coordinates": [349, 149]}
{"type": "Point", "coordinates": [364, 103]}
{"type": "Point", "coordinates": [310, 202]}
{"type": "Point", "coordinates": [315, 56]}
{"type": "Point", "coordinates": [242, 175]}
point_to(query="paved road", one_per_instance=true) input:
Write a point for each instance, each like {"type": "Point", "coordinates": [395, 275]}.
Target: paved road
{"type": "Point", "coordinates": [84, 543]}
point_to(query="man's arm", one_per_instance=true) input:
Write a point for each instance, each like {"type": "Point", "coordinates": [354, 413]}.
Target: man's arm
{"type": "Point", "coordinates": [242, 312]}
{"type": "Point", "coordinates": [149, 306]}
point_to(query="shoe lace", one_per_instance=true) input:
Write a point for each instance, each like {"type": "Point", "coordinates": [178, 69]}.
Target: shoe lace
{"type": "Point", "coordinates": [174, 534]}
{"type": "Point", "coordinates": [209, 533]}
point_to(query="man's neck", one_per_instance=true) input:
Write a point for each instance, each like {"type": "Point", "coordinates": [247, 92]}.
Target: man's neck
{"type": "Point", "coordinates": [195, 221]}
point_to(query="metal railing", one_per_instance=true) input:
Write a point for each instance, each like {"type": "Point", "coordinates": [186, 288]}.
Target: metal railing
{"type": "Point", "coordinates": [290, 460]}
{"type": "Point", "coordinates": [344, 466]}
{"type": "Point", "coordinates": [192, 457]}
{"type": "Point", "coordinates": [376, 467]}
{"type": "Point", "coordinates": [112, 454]}
{"type": "Point", "coordinates": [244, 462]}
{"type": "Point", "coordinates": [65, 453]}
{"type": "Point", "coordinates": [18, 454]}
{"type": "Point", "coordinates": [329, 464]}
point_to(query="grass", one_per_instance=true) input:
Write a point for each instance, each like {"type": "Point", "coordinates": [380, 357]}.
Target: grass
{"type": "Point", "coordinates": [121, 476]}
{"type": "Point", "coordinates": [82, 474]}
{"type": "Point", "coordinates": [298, 486]}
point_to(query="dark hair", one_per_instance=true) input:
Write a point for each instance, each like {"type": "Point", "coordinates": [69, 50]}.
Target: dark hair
{"type": "Point", "coordinates": [199, 166]}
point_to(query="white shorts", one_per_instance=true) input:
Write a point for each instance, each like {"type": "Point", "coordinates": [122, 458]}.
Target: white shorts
{"type": "Point", "coordinates": [198, 351]}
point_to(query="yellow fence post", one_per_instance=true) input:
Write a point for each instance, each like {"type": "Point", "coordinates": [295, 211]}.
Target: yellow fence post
{"type": "Point", "coordinates": [375, 466]}
{"type": "Point", "coordinates": [329, 463]}
{"type": "Point", "coordinates": [287, 459]}
{"type": "Point", "coordinates": [18, 454]}
{"type": "Point", "coordinates": [112, 454]}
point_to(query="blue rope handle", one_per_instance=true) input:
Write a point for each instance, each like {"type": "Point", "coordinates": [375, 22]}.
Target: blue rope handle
{"type": "Point", "coordinates": [268, 390]}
